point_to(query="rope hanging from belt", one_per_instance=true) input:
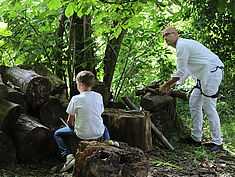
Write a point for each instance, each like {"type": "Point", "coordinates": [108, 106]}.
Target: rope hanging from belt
{"type": "Point", "coordinates": [198, 85]}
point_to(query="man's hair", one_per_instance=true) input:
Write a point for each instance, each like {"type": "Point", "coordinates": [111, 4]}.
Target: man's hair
{"type": "Point", "coordinates": [86, 77]}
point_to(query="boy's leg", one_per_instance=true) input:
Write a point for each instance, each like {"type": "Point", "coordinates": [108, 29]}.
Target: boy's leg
{"type": "Point", "coordinates": [60, 136]}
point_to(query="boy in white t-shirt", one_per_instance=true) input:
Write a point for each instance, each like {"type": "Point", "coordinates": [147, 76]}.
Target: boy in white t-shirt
{"type": "Point", "coordinates": [84, 119]}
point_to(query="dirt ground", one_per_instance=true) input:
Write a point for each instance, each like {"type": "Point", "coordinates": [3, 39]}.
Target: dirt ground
{"type": "Point", "coordinates": [184, 161]}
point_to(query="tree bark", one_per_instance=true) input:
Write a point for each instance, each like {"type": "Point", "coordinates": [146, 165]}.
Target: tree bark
{"type": "Point", "coordinates": [7, 149]}
{"type": "Point", "coordinates": [9, 112]}
{"type": "Point", "coordinates": [35, 87]}
{"type": "Point", "coordinates": [133, 128]}
{"type": "Point", "coordinates": [34, 142]}
{"type": "Point", "coordinates": [101, 160]}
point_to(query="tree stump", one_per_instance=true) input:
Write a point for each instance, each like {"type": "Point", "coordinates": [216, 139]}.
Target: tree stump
{"type": "Point", "coordinates": [95, 159]}
{"type": "Point", "coordinates": [7, 149]}
{"type": "Point", "coordinates": [9, 112]}
{"type": "Point", "coordinates": [34, 142]}
{"type": "Point", "coordinates": [133, 128]}
{"type": "Point", "coordinates": [35, 87]}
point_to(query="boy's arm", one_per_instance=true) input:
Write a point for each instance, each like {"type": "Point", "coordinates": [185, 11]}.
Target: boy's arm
{"type": "Point", "coordinates": [70, 120]}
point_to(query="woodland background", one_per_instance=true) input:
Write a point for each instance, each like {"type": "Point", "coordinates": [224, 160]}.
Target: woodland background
{"type": "Point", "coordinates": [121, 42]}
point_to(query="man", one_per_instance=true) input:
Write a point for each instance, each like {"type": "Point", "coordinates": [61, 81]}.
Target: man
{"type": "Point", "coordinates": [195, 59]}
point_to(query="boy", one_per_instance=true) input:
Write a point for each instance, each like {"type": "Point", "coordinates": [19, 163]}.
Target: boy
{"type": "Point", "coordinates": [84, 119]}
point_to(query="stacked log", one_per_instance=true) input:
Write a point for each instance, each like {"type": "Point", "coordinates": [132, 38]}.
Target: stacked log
{"type": "Point", "coordinates": [9, 112]}
{"type": "Point", "coordinates": [101, 160]}
{"type": "Point", "coordinates": [3, 89]}
{"type": "Point", "coordinates": [34, 142]}
{"type": "Point", "coordinates": [35, 88]}
{"type": "Point", "coordinates": [162, 108]}
{"type": "Point", "coordinates": [7, 149]}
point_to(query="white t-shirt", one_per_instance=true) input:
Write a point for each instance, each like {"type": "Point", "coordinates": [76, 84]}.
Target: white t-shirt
{"type": "Point", "coordinates": [195, 59]}
{"type": "Point", "coordinates": [87, 108]}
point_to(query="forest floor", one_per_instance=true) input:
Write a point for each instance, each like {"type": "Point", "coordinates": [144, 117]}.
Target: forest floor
{"type": "Point", "coordinates": [185, 160]}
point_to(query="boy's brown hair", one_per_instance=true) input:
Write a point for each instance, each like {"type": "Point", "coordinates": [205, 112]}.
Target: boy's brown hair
{"type": "Point", "coordinates": [86, 77]}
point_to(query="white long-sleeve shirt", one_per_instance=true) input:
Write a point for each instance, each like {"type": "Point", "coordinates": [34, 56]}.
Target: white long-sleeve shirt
{"type": "Point", "coordinates": [193, 58]}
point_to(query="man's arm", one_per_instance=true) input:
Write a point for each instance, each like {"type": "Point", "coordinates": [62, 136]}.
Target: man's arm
{"type": "Point", "coordinates": [164, 88]}
{"type": "Point", "coordinates": [70, 120]}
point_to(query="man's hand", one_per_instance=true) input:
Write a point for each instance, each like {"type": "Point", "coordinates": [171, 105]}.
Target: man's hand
{"type": "Point", "coordinates": [163, 88]}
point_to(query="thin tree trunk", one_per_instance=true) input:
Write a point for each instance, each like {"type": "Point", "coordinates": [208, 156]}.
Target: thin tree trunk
{"type": "Point", "coordinates": [110, 58]}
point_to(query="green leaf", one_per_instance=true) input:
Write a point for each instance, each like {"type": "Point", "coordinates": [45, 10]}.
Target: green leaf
{"type": "Point", "coordinates": [69, 10]}
{"type": "Point", "coordinates": [117, 32]}
{"type": "Point", "coordinates": [1, 43]}
{"type": "Point", "coordinates": [54, 4]}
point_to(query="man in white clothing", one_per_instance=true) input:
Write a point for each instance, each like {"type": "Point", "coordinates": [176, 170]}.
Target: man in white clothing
{"type": "Point", "coordinates": [195, 59]}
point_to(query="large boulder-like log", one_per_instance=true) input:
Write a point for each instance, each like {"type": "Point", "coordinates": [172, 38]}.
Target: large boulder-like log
{"type": "Point", "coordinates": [51, 112]}
{"type": "Point", "coordinates": [3, 89]}
{"type": "Point", "coordinates": [133, 128]}
{"type": "Point", "coordinates": [95, 159]}
{"type": "Point", "coordinates": [9, 112]}
{"type": "Point", "coordinates": [7, 149]}
{"type": "Point", "coordinates": [34, 142]}
{"type": "Point", "coordinates": [36, 88]}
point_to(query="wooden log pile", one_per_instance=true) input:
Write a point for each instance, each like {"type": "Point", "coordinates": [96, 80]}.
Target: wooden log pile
{"type": "Point", "coordinates": [162, 108]}
{"type": "Point", "coordinates": [29, 113]}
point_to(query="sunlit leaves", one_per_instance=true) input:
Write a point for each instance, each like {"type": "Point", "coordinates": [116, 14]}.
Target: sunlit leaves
{"type": "Point", "coordinates": [69, 11]}
{"type": "Point", "coordinates": [54, 4]}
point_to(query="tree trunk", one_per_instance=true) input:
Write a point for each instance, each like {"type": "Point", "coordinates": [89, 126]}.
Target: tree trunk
{"type": "Point", "coordinates": [35, 87]}
{"type": "Point", "coordinates": [51, 112]}
{"type": "Point", "coordinates": [9, 112]}
{"type": "Point", "coordinates": [3, 89]}
{"type": "Point", "coordinates": [34, 142]}
{"type": "Point", "coordinates": [94, 159]}
{"type": "Point", "coordinates": [110, 58]}
{"type": "Point", "coordinates": [7, 149]}
{"type": "Point", "coordinates": [59, 43]}
{"type": "Point", "coordinates": [133, 128]}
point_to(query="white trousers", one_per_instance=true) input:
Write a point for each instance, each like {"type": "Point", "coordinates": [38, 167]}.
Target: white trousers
{"type": "Point", "coordinates": [199, 103]}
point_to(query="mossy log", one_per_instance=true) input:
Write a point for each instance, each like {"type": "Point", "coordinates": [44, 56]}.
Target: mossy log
{"type": "Point", "coordinates": [133, 128]}
{"type": "Point", "coordinates": [101, 160]}
{"type": "Point", "coordinates": [34, 142]}
{"type": "Point", "coordinates": [36, 88]}
{"type": "Point", "coordinates": [9, 112]}
{"type": "Point", "coordinates": [7, 149]}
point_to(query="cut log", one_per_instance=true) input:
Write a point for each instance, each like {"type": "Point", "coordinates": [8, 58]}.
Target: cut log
{"type": "Point", "coordinates": [9, 112]}
{"type": "Point", "coordinates": [133, 128]}
{"type": "Point", "coordinates": [101, 160]}
{"type": "Point", "coordinates": [58, 86]}
{"type": "Point", "coordinates": [7, 149]}
{"type": "Point", "coordinates": [35, 87]}
{"type": "Point", "coordinates": [151, 101]}
{"type": "Point", "coordinates": [34, 142]}
{"type": "Point", "coordinates": [51, 112]}
{"type": "Point", "coordinates": [17, 97]}
{"type": "Point", "coordinates": [3, 89]}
